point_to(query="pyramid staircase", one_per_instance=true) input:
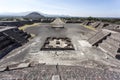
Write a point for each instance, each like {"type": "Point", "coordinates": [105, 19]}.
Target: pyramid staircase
{"type": "Point", "coordinates": [11, 39]}
{"type": "Point", "coordinates": [98, 38]}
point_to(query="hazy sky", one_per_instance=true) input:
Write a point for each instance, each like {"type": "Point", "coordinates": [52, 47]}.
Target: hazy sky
{"type": "Point", "coordinates": [104, 8]}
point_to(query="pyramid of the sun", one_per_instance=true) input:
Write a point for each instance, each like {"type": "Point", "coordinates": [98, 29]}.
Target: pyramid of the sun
{"type": "Point", "coordinates": [58, 23]}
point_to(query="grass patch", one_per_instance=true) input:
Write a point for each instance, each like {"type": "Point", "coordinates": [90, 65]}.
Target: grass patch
{"type": "Point", "coordinates": [89, 27]}
{"type": "Point", "coordinates": [27, 26]}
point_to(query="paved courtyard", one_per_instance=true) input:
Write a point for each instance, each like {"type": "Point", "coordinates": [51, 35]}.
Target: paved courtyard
{"type": "Point", "coordinates": [83, 54]}
{"type": "Point", "coordinates": [83, 50]}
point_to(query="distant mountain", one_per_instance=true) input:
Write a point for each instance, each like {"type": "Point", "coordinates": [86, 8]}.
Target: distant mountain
{"type": "Point", "coordinates": [31, 14]}
{"type": "Point", "coordinates": [45, 15]}
{"type": "Point", "coordinates": [34, 15]}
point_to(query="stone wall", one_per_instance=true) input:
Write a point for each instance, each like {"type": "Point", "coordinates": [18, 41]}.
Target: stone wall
{"type": "Point", "coordinates": [107, 40]}
{"type": "Point", "coordinates": [98, 37]}
{"type": "Point", "coordinates": [11, 39]}
{"type": "Point", "coordinates": [101, 25]}
{"type": "Point", "coordinates": [17, 23]}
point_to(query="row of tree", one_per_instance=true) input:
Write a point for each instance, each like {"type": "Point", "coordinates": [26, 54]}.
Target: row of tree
{"type": "Point", "coordinates": [70, 19]}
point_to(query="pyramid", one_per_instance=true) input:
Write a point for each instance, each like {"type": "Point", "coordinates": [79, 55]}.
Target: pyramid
{"type": "Point", "coordinates": [58, 23]}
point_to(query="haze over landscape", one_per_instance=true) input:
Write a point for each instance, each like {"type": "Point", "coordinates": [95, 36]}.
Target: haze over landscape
{"type": "Point", "coordinates": [81, 8]}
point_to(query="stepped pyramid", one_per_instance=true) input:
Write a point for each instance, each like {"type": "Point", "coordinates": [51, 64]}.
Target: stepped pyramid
{"type": "Point", "coordinates": [58, 23]}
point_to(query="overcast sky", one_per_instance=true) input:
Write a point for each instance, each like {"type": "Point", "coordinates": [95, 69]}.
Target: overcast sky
{"type": "Point", "coordinates": [97, 8]}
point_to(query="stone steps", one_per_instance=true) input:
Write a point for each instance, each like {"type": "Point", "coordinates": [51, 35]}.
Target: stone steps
{"type": "Point", "coordinates": [98, 37]}
{"type": "Point", "coordinates": [7, 49]}
{"type": "Point", "coordinates": [5, 43]}
{"type": "Point", "coordinates": [11, 39]}
{"type": "Point", "coordinates": [96, 24]}
{"type": "Point", "coordinates": [16, 36]}
{"type": "Point", "coordinates": [3, 38]}
{"type": "Point", "coordinates": [100, 26]}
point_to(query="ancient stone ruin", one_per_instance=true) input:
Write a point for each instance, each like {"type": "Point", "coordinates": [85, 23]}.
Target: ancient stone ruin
{"type": "Point", "coordinates": [107, 40]}
{"type": "Point", "coordinates": [60, 43]}
{"type": "Point", "coordinates": [60, 51]}
{"type": "Point", "coordinates": [11, 38]}
{"type": "Point", "coordinates": [102, 25]}
{"type": "Point", "coordinates": [57, 23]}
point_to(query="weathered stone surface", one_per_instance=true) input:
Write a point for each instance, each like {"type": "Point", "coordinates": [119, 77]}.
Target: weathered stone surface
{"type": "Point", "coordinates": [20, 65]}
{"type": "Point", "coordinates": [98, 37]}
{"type": "Point", "coordinates": [87, 23]}
{"type": "Point", "coordinates": [103, 25]}
{"type": "Point", "coordinates": [58, 23]}
{"type": "Point", "coordinates": [55, 77]}
{"type": "Point", "coordinates": [2, 69]}
{"type": "Point", "coordinates": [35, 63]}
{"type": "Point", "coordinates": [116, 26]}
{"type": "Point", "coordinates": [100, 26]}
{"type": "Point", "coordinates": [83, 55]}
{"type": "Point", "coordinates": [115, 36]}
{"type": "Point", "coordinates": [90, 34]}
{"type": "Point", "coordinates": [113, 42]}
{"type": "Point", "coordinates": [48, 72]}
{"type": "Point", "coordinates": [109, 48]}
{"type": "Point", "coordinates": [57, 43]}
{"type": "Point", "coordinates": [36, 73]}
{"type": "Point", "coordinates": [95, 24]}
{"type": "Point", "coordinates": [77, 73]}
{"type": "Point", "coordinates": [11, 38]}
